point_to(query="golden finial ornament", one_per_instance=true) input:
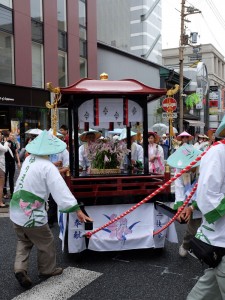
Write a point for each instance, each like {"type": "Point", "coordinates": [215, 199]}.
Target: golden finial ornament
{"type": "Point", "coordinates": [104, 76]}
{"type": "Point", "coordinates": [53, 105]}
{"type": "Point", "coordinates": [173, 91]}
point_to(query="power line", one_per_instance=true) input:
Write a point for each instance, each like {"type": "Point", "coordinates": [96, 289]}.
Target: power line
{"type": "Point", "coordinates": [216, 13]}
{"type": "Point", "coordinates": [213, 34]}
{"type": "Point", "coordinates": [206, 20]}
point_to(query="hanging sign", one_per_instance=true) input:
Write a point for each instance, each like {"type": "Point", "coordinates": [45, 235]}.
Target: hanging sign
{"type": "Point", "coordinates": [169, 115]}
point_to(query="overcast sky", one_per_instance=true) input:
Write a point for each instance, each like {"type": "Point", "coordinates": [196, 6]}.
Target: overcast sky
{"type": "Point", "coordinates": [210, 23]}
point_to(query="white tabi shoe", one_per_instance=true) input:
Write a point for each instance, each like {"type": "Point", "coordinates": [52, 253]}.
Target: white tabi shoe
{"type": "Point", "coordinates": [182, 252]}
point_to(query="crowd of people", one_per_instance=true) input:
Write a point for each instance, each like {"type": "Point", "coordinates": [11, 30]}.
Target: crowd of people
{"type": "Point", "coordinates": [204, 214]}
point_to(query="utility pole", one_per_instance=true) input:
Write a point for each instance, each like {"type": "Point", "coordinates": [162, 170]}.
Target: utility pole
{"type": "Point", "coordinates": [181, 65]}
{"type": "Point", "coordinates": [183, 43]}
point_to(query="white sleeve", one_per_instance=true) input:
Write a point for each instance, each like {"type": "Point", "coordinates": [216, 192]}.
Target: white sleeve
{"type": "Point", "coordinates": [59, 189]}
{"type": "Point", "coordinates": [179, 188]}
{"type": "Point", "coordinates": [161, 153]}
{"type": "Point", "coordinates": [81, 156]}
{"type": "Point", "coordinates": [211, 181]}
{"type": "Point", "coordinates": [65, 158]}
{"type": "Point", "coordinates": [140, 154]}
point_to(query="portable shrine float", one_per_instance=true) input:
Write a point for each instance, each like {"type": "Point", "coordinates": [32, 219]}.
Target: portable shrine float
{"type": "Point", "coordinates": [106, 103]}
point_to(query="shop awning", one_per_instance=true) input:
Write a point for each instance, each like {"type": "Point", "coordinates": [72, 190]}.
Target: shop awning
{"type": "Point", "coordinates": [195, 123]}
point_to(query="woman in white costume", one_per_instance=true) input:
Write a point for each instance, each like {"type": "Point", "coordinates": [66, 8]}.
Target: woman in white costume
{"type": "Point", "coordinates": [155, 154]}
{"type": "Point", "coordinates": [38, 178]}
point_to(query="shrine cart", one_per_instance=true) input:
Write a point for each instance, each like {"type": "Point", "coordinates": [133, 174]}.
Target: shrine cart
{"type": "Point", "coordinates": [107, 103]}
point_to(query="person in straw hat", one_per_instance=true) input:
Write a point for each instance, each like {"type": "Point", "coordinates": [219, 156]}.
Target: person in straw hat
{"type": "Point", "coordinates": [87, 137]}
{"type": "Point", "coordinates": [184, 138]}
{"type": "Point", "coordinates": [205, 143]}
{"type": "Point", "coordinates": [38, 178]}
{"type": "Point", "coordinates": [199, 141]}
{"type": "Point", "coordinates": [210, 201]}
{"type": "Point", "coordinates": [155, 154]}
{"type": "Point", "coordinates": [179, 160]}
{"type": "Point", "coordinates": [136, 149]}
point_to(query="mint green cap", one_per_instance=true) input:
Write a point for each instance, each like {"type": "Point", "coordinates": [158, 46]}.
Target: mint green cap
{"type": "Point", "coordinates": [183, 156]}
{"type": "Point", "coordinates": [123, 134]}
{"type": "Point", "coordinates": [45, 144]}
{"type": "Point", "coordinates": [220, 131]}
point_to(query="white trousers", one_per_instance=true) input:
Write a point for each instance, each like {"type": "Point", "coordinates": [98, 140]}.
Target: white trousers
{"type": "Point", "coordinates": [211, 286]}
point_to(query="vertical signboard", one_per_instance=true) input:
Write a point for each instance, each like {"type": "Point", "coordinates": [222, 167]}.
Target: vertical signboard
{"type": "Point", "coordinates": [213, 100]}
{"type": "Point", "coordinates": [199, 92]}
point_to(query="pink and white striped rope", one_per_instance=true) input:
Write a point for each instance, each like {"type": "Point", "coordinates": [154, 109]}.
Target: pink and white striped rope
{"type": "Point", "coordinates": [164, 186]}
{"type": "Point", "coordinates": [179, 211]}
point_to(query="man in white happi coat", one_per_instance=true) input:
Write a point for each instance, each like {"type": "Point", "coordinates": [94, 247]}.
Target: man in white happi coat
{"type": "Point", "coordinates": [87, 137]}
{"type": "Point", "coordinates": [136, 149]}
{"type": "Point", "coordinates": [211, 202]}
{"type": "Point", "coordinates": [38, 178]}
{"type": "Point", "coordinates": [184, 184]}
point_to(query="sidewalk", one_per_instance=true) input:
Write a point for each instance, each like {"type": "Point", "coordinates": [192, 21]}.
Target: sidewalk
{"type": "Point", "coordinates": [4, 212]}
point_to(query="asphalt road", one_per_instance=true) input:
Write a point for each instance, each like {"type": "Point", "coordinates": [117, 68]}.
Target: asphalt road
{"type": "Point", "coordinates": [135, 274]}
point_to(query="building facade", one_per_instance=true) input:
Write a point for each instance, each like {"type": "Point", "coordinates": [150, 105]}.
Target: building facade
{"type": "Point", "coordinates": [42, 41]}
{"type": "Point", "coordinates": [131, 25]}
{"type": "Point", "coordinates": [213, 108]}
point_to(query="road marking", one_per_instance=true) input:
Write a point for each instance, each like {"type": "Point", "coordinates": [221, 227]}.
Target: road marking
{"type": "Point", "coordinates": [167, 271]}
{"type": "Point", "coordinates": [60, 287]}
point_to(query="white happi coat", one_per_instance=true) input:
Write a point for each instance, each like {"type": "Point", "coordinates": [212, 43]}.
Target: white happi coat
{"type": "Point", "coordinates": [38, 178]}
{"type": "Point", "coordinates": [83, 156]}
{"type": "Point", "coordinates": [211, 196]}
{"type": "Point", "coordinates": [62, 156]}
{"type": "Point", "coordinates": [137, 152]}
{"type": "Point", "coordinates": [183, 186]}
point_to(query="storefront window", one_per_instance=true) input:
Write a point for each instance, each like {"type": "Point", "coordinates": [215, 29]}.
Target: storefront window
{"type": "Point", "coordinates": [36, 10]}
{"type": "Point", "coordinates": [61, 9]}
{"type": "Point", "coordinates": [28, 118]}
{"type": "Point", "coordinates": [37, 65]}
{"type": "Point", "coordinates": [62, 67]}
{"type": "Point", "coordinates": [21, 119]}
{"type": "Point", "coordinates": [4, 118]}
{"type": "Point", "coordinates": [6, 58]}
{"type": "Point", "coordinates": [7, 3]}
